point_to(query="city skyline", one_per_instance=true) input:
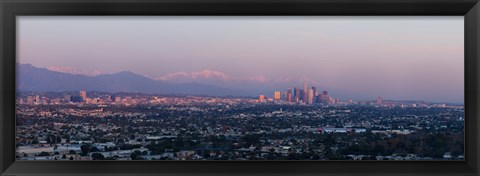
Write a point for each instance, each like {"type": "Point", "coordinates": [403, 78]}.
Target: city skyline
{"type": "Point", "coordinates": [387, 56]}
{"type": "Point", "coordinates": [293, 93]}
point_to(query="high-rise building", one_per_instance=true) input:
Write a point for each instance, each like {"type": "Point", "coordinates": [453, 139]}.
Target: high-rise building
{"type": "Point", "coordinates": [379, 101]}
{"type": "Point", "coordinates": [83, 94]}
{"type": "Point", "coordinates": [289, 95]}
{"type": "Point", "coordinates": [37, 99]}
{"type": "Point", "coordinates": [261, 98]}
{"type": "Point", "coordinates": [112, 98]}
{"type": "Point", "coordinates": [276, 95]}
{"type": "Point", "coordinates": [296, 94]}
{"type": "Point", "coordinates": [30, 100]}
{"type": "Point", "coordinates": [67, 97]}
{"type": "Point", "coordinates": [301, 95]}
{"type": "Point", "coordinates": [323, 98]}
{"type": "Point", "coordinates": [310, 96]}
{"type": "Point", "coordinates": [305, 92]}
{"type": "Point", "coordinates": [284, 96]}
{"type": "Point", "coordinates": [304, 85]}
{"type": "Point", "coordinates": [315, 93]}
{"type": "Point", "coordinates": [77, 99]}
{"type": "Point", "coordinates": [128, 101]}
{"type": "Point", "coordinates": [332, 100]}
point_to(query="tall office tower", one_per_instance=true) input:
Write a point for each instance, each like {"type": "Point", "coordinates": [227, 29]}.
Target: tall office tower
{"type": "Point", "coordinates": [379, 101]}
{"type": "Point", "coordinates": [30, 100]}
{"type": "Point", "coordinates": [296, 94]}
{"type": "Point", "coordinates": [332, 100]}
{"type": "Point", "coordinates": [304, 85]}
{"type": "Point", "coordinates": [37, 99]}
{"type": "Point", "coordinates": [112, 98]}
{"type": "Point", "coordinates": [315, 93]}
{"type": "Point", "coordinates": [129, 100]}
{"type": "Point", "coordinates": [289, 95]}
{"type": "Point", "coordinates": [261, 98]}
{"type": "Point", "coordinates": [306, 95]}
{"type": "Point", "coordinates": [83, 94]}
{"type": "Point", "coordinates": [284, 96]}
{"type": "Point", "coordinates": [67, 97]}
{"type": "Point", "coordinates": [324, 97]}
{"type": "Point", "coordinates": [76, 99]}
{"type": "Point", "coordinates": [276, 95]}
{"type": "Point", "coordinates": [301, 95]}
{"type": "Point", "coordinates": [310, 96]}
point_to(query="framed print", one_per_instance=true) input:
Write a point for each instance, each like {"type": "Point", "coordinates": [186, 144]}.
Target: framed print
{"type": "Point", "coordinates": [233, 88]}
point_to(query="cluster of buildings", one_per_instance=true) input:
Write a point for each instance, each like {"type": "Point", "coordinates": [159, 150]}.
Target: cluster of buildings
{"type": "Point", "coordinates": [310, 95]}
{"type": "Point", "coordinates": [307, 95]}
{"type": "Point", "coordinates": [296, 97]}
{"type": "Point", "coordinates": [125, 99]}
{"type": "Point", "coordinates": [37, 100]}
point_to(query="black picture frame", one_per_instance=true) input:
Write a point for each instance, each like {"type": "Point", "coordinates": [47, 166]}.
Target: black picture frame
{"type": "Point", "coordinates": [9, 9]}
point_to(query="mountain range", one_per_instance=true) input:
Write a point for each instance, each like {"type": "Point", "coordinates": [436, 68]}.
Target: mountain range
{"type": "Point", "coordinates": [205, 82]}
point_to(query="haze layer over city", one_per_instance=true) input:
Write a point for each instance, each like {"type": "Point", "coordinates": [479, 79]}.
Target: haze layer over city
{"type": "Point", "coordinates": [240, 88]}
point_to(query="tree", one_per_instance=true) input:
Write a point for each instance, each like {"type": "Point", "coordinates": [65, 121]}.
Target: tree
{"type": "Point", "coordinates": [72, 152]}
{"type": "Point", "coordinates": [134, 156]}
{"type": "Point", "coordinates": [71, 158]}
{"type": "Point", "coordinates": [93, 149]}
{"type": "Point", "coordinates": [97, 156]}
{"type": "Point", "coordinates": [85, 148]}
{"type": "Point", "coordinates": [44, 154]}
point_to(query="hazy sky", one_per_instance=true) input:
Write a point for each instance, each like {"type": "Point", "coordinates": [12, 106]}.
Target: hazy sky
{"type": "Point", "coordinates": [410, 57]}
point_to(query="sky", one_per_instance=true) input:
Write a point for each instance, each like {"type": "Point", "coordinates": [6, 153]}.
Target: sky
{"type": "Point", "coordinates": [393, 57]}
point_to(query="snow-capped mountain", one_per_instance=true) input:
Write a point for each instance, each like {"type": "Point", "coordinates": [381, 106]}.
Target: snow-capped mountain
{"type": "Point", "coordinates": [296, 81]}
{"type": "Point", "coordinates": [204, 75]}
{"type": "Point", "coordinates": [210, 74]}
{"type": "Point", "coordinates": [174, 77]}
{"type": "Point", "coordinates": [74, 71]}
{"type": "Point", "coordinates": [260, 79]}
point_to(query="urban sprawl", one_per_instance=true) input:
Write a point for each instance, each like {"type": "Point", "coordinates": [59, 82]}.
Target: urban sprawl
{"type": "Point", "coordinates": [299, 124]}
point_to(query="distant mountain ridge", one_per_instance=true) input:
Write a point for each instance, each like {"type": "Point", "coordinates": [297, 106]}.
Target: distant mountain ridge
{"type": "Point", "coordinates": [205, 82]}
{"type": "Point", "coordinates": [31, 78]}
